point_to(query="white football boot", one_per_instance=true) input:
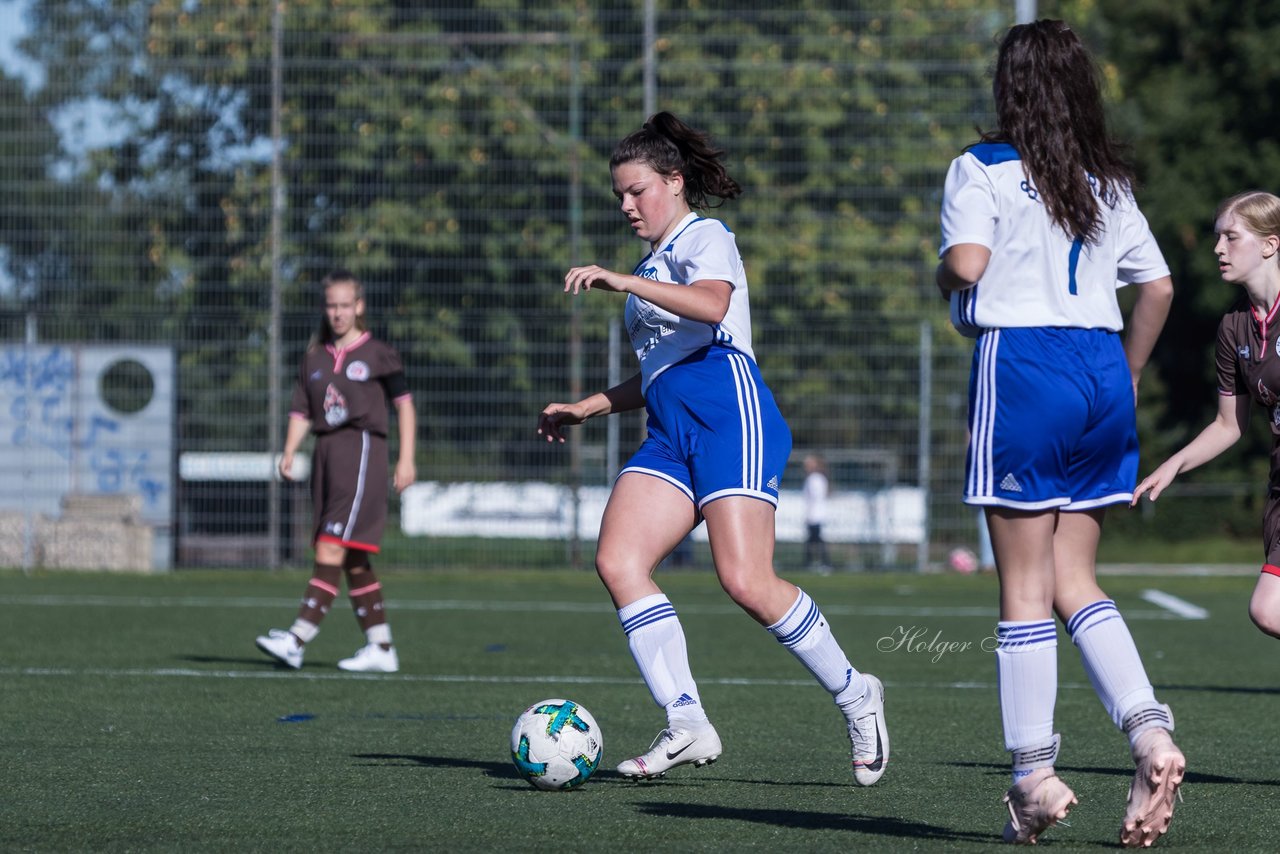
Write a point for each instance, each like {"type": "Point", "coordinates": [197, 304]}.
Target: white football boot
{"type": "Point", "coordinates": [679, 744]}
{"type": "Point", "coordinates": [283, 646]}
{"type": "Point", "coordinates": [868, 736]}
{"type": "Point", "coordinates": [371, 658]}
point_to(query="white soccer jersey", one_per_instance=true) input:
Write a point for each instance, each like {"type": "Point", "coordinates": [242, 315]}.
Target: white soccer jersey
{"type": "Point", "coordinates": [1038, 275]}
{"type": "Point", "coordinates": [700, 248]}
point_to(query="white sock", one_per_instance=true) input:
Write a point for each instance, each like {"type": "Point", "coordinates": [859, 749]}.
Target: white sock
{"type": "Point", "coordinates": [304, 630]}
{"type": "Point", "coordinates": [1111, 659]}
{"type": "Point", "coordinates": [805, 632]}
{"type": "Point", "coordinates": [1027, 666]}
{"type": "Point", "coordinates": [381, 633]}
{"type": "Point", "coordinates": [657, 644]}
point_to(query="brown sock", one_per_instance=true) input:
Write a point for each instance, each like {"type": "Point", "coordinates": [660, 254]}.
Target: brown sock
{"type": "Point", "coordinates": [366, 597]}
{"type": "Point", "coordinates": [322, 589]}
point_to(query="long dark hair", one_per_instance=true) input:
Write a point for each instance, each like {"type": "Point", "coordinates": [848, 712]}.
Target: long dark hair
{"type": "Point", "coordinates": [1049, 107]}
{"type": "Point", "coordinates": [667, 146]}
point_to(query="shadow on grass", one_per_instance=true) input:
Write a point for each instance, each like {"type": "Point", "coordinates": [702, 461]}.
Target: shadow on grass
{"type": "Point", "coordinates": [1222, 689]}
{"type": "Point", "coordinates": [1191, 776]}
{"type": "Point", "coordinates": [497, 770]}
{"type": "Point", "coordinates": [878, 825]}
{"type": "Point", "coordinates": [491, 769]}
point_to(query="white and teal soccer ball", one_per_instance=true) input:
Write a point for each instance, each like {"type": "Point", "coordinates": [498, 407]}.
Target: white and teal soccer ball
{"type": "Point", "coordinates": [556, 744]}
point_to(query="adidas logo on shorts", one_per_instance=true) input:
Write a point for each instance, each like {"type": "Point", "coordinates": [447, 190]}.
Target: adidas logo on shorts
{"type": "Point", "coordinates": [1010, 483]}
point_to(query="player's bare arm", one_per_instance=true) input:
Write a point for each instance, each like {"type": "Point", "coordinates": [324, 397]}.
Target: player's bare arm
{"type": "Point", "coordinates": [705, 300]}
{"type": "Point", "coordinates": [407, 420]}
{"type": "Point", "coordinates": [297, 431]}
{"type": "Point", "coordinates": [621, 398]}
{"type": "Point", "coordinates": [962, 266]}
{"type": "Point", "coordinates": [1223, 431]}
{"type": "Point", "coordinates": [1150, 310]}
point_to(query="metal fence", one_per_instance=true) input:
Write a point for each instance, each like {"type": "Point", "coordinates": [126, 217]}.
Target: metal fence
{"type": "Point", "coordinates": [180, 176]}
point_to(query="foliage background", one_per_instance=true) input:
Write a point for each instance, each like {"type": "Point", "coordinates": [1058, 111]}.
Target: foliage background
{"type": "Point", "coordinates": [456, 158]}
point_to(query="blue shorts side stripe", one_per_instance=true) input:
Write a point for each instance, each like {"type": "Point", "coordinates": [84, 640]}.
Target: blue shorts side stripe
{"type": "Point", "coordinates": [752, 430]}
{"type": "Point", "coordinates": [984, 415]}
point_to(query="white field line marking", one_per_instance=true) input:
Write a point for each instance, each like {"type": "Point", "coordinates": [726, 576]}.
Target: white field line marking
{"type": "Point", "coordinates": [439, 678]}
{"type": "Point", "coordinates": [1181, 607]}
{"type": "Point", "coordinates": [58, 601]}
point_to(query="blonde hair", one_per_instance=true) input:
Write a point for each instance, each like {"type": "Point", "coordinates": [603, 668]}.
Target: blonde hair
{"type": "Point", "coordinates": [1257, 210]}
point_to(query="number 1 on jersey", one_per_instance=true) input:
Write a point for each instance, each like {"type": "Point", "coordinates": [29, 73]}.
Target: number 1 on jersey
{"type": "Point", "coordinates": [1073, 261]}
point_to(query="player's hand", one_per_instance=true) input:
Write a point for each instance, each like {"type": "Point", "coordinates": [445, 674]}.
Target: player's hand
{"type": "Point", "coordinates": [556, 416]}
{"type": "Point", "coordinates": [285, 465]}
{"type": "Point", "coordinates": [593, 276]}
{"type": "Point", "coordinates": [1156, 482]}
{"type": "Point", "coordinates": [406, 474]}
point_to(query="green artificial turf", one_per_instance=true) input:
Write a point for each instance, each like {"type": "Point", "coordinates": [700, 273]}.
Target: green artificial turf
{"type": "Point", "coordinates": [136, 715]}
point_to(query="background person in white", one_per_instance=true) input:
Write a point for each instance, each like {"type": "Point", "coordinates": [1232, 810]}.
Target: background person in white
{"type": "Point", "coordinates": [716, 449]}
{"type": "Point", "coordinates": [816, 489]}
{"type": "Point", "coordinates": [1039, 228]}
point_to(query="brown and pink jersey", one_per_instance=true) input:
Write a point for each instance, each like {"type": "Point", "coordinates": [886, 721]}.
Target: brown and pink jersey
{"type": "Point", "coordinates": [344, 393]}
{"type": "Point", "coordinates": [350, 386]}
{"type": "Point", "coordinates": [1249, 363]}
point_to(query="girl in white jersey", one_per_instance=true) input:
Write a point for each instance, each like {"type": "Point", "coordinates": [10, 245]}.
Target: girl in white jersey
{"type": "Point", "coordinates": [715, 451]}
{"type": "Point", "coordinates": [1039, 229]}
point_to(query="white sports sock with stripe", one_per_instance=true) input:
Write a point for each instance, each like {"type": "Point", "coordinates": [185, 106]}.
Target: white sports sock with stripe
{"type": "Point", "coordinates": [805, 632]}
{"type": "Point", "coordinates": [658, 646]}
{"type": "Point", "coordinates": [1027, 667]}
{"type": "Point", "coordinates": [1111, 659]}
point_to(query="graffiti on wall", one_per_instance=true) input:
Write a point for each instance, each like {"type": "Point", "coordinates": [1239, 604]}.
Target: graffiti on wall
{"type": "Point", "coordinates": [86, 419]}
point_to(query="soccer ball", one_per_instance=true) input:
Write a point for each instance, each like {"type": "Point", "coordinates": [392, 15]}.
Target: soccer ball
{"type": "Point", "coordinates": [556, 744]}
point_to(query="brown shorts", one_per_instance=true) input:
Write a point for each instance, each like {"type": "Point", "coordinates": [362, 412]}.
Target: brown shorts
{"type": "Point", "coordinates": [349, 488]}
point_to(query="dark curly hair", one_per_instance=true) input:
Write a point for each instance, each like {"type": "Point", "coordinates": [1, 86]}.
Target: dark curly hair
{"type": "Point", "coordinates": [669, 146]}
{"type": "Point", "coordinates": [1049, 107]}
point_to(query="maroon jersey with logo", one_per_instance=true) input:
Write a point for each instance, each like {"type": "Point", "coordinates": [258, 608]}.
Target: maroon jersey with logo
{"type": "Point", "coordinates": [346, 387]}
{"type": "Point", "coordinates": [1249, 363]}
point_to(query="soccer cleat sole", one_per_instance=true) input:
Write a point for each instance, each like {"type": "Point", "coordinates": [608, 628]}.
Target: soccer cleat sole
{"type": "Point", "coordinates": [697, 763]}
{"type": "Point", "coordinates": [1156, 814]}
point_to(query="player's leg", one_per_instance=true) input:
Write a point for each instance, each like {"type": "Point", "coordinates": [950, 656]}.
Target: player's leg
{"type": "Point", "coordinates": [1114, 667]}
{"type": "Point", "coordinates": [365, 518]}
{"type": "Point", "coordinates": [1028, 404]}
{"type": "Point", "coordinates": [741, 533]}
{"type": "Point", "coordinates": [1103, 471]}
{"type": "Point", "coordinates": [287, 646]}
{"type": "Point", "coordinates": [646, 518]}
{"type": "Point", "coordinates": [1264, 605]}
{"type": "Point", "coordinates": [1027, 669]}
{"type": "Point", "coordinates": [1096, 626]}
{"type": "Point", "coordinates": [378, 655]}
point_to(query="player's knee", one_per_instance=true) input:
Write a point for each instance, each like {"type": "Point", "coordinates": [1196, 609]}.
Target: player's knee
{"type": "Point", "coordinates": [1265, 616]}
{"type": "Point", "coordinates": [617, 570]}
{"type": "Point", "coordinates": [745, 589]}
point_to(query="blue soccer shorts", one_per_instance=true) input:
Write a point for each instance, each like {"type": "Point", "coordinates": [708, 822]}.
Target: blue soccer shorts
{"type": "Point", "coordinates": [1051, 420]}
{"type": "Point", "coordinates": [714, 429]}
